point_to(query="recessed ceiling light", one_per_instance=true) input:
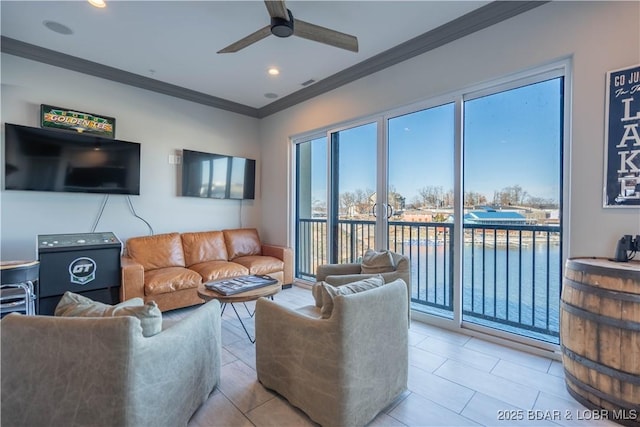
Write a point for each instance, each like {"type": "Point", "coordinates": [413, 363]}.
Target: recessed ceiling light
{"type": "Point", "coordinates": [97, 3]}
{"type": "Point", "coordinates": [273, 71]}
{"type": "Point", "coordinates": [271, 95]}
{"type": "Point", "coordinates": [57, 27]}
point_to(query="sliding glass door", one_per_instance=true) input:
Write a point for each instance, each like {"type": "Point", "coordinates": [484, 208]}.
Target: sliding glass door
{"type": "Point", "coordinates": [512, 180]}
{"type": "Point", "coordinates": [470, 189]}
{"type": "Point", "coordinates": [420, 195]}
{"type": "Point", "coordinates": [336, 197]}
{"type": "Point", "coordinates": [353, 192]}
{"type": "Point", "coordinates": [311, 205]}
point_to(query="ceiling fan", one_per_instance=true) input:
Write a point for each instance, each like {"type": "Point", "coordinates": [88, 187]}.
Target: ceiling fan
{"type": "Point", "coordinates": [284, 25]}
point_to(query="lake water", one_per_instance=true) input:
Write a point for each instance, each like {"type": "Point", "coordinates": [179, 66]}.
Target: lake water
{"type": "Point", "coordinates": [517, 290]}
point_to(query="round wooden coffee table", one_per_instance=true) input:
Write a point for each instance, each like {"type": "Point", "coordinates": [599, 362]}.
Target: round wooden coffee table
{"type": "Point", "coordinates": [251, 295]}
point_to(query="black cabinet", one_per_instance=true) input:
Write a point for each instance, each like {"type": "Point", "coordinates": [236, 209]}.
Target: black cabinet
{"type": "Point", "coordinates": [87, 264]}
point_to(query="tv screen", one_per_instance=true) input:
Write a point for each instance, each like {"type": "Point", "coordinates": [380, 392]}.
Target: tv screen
{"type": "Point", "coordinates": [217, 176]}
{"type": "Point", "coordinates": [54, 160]}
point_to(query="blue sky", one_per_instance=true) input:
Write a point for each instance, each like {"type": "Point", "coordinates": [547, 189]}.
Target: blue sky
{"type": "Point", "coordinates": [511, 138]}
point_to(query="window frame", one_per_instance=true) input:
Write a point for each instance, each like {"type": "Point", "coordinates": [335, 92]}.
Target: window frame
{"type": "Point", "coordinates": [562, 67]}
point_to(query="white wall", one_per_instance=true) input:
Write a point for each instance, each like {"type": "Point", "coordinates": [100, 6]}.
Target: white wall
{"type": "Point", "coordinates": [162, 125]}
{"type": "Point", "coordinates": [599, 36]}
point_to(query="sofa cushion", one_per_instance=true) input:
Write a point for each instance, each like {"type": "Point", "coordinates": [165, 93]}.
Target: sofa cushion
{"type": "Point", "coordinates": [215, 270]}
{"type": "Point", "coordinates": [74, 305]}
{"type": "Point", "coordinates": [330, 292]}
{"type": "Point", "coordinates": [203, 246]}
{"type": "Point", "coordinates": [242, 242]}
{"type": "Point", "coordinates": [159, 251]}
{"type": "Point", "coordinates": [260, 264]}
{"type": "Point", "coordinates": [377, 262]}
{"type": "Point", "coordinates": [165, 280]}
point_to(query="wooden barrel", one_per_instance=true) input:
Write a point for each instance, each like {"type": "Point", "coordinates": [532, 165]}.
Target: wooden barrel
{"type": "Point", "coordinates": [600, 336]}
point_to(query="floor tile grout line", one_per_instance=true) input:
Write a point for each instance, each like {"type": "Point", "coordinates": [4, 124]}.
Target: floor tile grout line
{"type": "Point", "coordinates": [239, 352]}
{"type": "Point", "coordinates": [244, 414]}
{"type": "Point", "coordinates": [508, 350]}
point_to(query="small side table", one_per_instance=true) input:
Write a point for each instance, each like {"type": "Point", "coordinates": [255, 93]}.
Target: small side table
{"type": "Point", "coordinates": [17, 288]}
{"type": "Point", "coordinates": [252, 295]}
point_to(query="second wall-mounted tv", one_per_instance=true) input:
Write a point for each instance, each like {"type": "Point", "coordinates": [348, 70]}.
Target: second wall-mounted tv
{"type": "Point", "coordinates": [217, 176]}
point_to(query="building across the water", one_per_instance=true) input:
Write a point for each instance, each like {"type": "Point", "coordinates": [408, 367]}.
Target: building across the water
{"type": "Point", "coordinates": [495, 217]}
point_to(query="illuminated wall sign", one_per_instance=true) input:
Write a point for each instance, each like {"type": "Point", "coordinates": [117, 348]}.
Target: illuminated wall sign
{"type": "Point", "coordinates": [62, 118]}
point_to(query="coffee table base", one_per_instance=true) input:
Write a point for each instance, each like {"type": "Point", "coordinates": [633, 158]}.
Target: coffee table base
{"type": "Point", "coordinates": [246, 331]}
{"type": "Point", "coordinates": [243, 297]}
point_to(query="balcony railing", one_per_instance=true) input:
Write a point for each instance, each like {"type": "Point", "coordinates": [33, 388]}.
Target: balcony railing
{"type": "Point", "coordinates": [511, 273]}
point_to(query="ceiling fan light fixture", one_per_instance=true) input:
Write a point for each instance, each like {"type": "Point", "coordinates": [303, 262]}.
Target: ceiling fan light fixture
{"type": "Point", "coordinates": [281, 27]}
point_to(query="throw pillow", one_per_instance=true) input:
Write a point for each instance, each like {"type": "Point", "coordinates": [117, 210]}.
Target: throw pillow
{"type": "Point", "coordinates": [377, 262]}
{"type": "Point", "coordinates": [150, 316]}
{"type": "Point", "coordinates": [330, 292]}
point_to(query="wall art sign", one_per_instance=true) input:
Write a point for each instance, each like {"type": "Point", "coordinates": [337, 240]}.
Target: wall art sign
{"type": "Point", "coordinates": [63, 118]}
{"type": "Point", "coordinates": [622, 138]}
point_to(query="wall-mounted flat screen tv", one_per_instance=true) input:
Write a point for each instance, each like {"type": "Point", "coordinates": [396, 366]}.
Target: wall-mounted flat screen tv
{"type": "Point", "coordinates": [217, 176]}
{"type": "Point", "coordinates": [55, 160]}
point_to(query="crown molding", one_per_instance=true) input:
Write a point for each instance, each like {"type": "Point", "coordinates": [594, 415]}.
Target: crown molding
{"type": "Point", "coordinates": [469, 23]}
{"type": "Point", "coordinates": [73, 63]}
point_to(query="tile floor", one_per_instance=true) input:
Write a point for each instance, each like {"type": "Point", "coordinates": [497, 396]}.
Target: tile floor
{"type": "Point", "coordinates": [454, 380]}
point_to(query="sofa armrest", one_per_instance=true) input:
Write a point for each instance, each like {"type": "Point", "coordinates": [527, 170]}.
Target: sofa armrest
{"type": "Point", "coordinates": [336, 269]}
{"type": "Point", "coordinates": [284, 254]}
{"type": "Point", "coordinates": [132, 284]}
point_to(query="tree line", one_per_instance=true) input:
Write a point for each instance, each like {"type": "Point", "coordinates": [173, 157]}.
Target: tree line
{"type": "Point", "coordinates": [435, 197]}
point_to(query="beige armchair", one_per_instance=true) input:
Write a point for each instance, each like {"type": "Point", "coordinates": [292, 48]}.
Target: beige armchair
{"type": "Point", "coordinates": [341, 274]}
{"type": "Point", "coordinates": [342, 370]}
{"type": "Point", "coordinates": [88, 371]}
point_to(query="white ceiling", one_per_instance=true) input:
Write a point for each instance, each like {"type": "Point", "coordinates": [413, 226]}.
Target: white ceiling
{"type": "Point", "coordinates": [176, 41]}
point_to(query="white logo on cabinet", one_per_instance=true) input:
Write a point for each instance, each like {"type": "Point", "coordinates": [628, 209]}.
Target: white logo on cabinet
{"type": "Point", "coordinates": [82, 270]}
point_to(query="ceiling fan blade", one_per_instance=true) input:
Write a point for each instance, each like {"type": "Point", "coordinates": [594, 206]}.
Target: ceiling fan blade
{"type": "Point", "coordinates": [249, 40]}
{"type": "Point", "coordinates": [325, 35]}
{"type": "Point", "coordinates": [277, 9]}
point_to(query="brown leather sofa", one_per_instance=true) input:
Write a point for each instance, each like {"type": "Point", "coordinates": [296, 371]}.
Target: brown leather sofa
{"type": "Point", "coordinates": [167, 268]}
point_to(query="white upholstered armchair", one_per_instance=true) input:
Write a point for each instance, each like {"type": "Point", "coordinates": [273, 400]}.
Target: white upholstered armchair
{"type": "Point", "coordinates": [89, 371]}
{"type": "Point", "coordinates": [390, 265]}
{"type": "Point", "coordinates": [341, 370]}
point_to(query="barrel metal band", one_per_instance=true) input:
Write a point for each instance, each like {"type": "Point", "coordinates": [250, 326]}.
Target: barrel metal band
{"type": "Point", "coordinates": [612, 372]}
{"type": "Point", "coordinates": [601, 319]}
{"type": "Point", "coordinates": [594, 290]}
{"type": "Point", "coordinates": [607, 397]}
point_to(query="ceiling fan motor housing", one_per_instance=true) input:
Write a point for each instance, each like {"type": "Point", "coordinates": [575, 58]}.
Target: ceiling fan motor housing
{"type": "Point", "coordinates": [281, 27]}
